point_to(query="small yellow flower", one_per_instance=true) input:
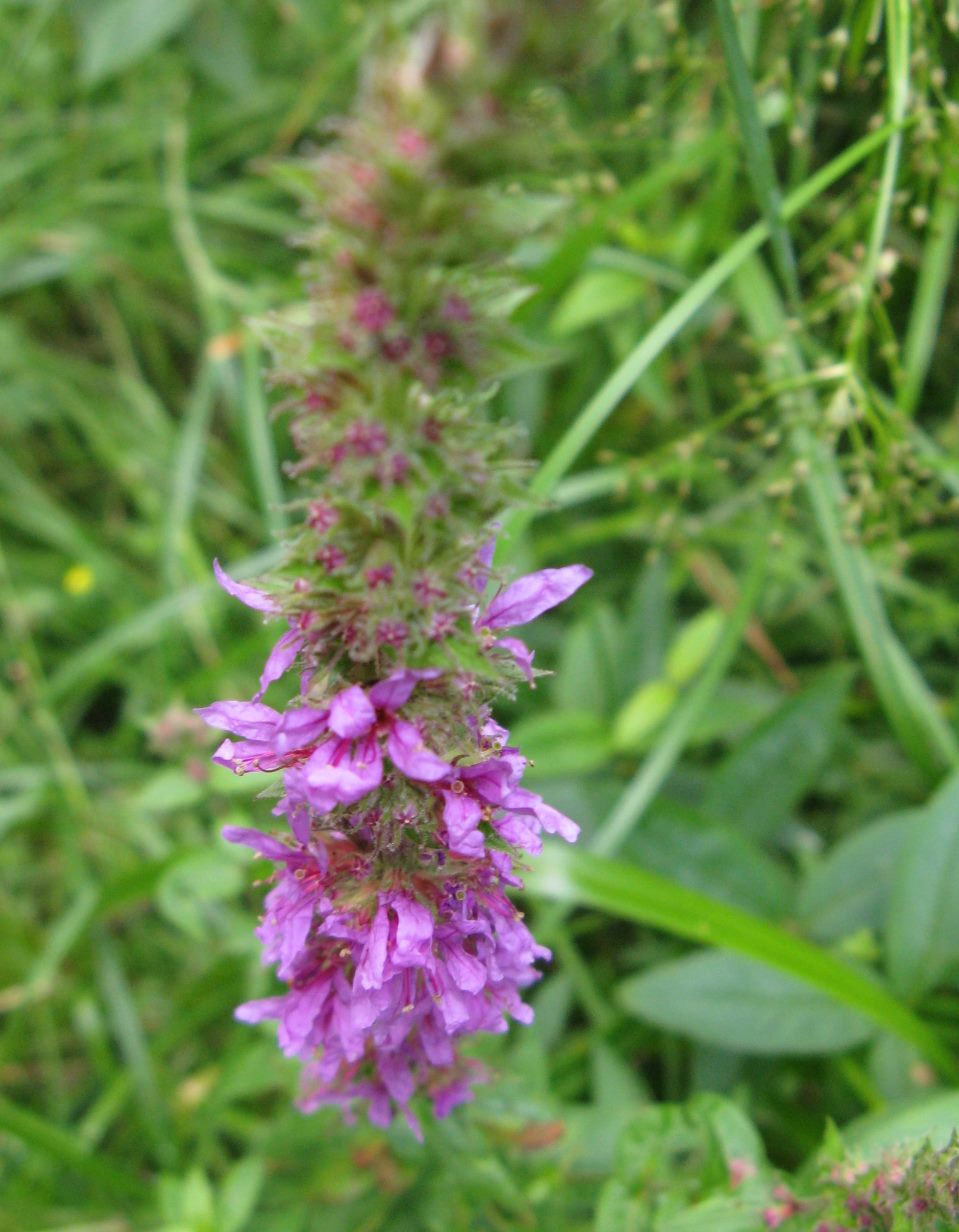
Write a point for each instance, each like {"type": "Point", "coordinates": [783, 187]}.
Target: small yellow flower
{"type": "Point", "coordinates": [78, 580]}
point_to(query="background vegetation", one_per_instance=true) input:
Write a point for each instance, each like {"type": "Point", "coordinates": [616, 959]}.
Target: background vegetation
{"type": "Point", "coordinates": [745, 394]}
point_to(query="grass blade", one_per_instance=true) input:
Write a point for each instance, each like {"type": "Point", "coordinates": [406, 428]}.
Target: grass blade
{"type": "Point", "coordinates": [756, 148]}
{"type": "Point", "coordinates": [256, 429]}
{"type": "Point", "coordinates": [934, 275]}
{"type": "Point", "coordinates": [602, 404]}
{"type": "Point", "coordinates": [64, 1147]}
{"type": "Point", "coordinates": [910, 705]}
{"type": "Point", "coordinates": [897, 67]}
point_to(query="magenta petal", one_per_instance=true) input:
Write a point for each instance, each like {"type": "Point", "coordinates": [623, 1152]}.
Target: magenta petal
{"type": "Point", "coordinates": [520, 652]}
{"type": "Point", "coordinates": [410, 755]}
{"type": "Point", "coordinates": [351, 713]}
{"type": "Point", "coordinates": [395, 690]}
{"type": "Point", "coordinates": [300, 727]}
{"type": "Point", "coordinates": [449, 1097]}
{"type": "Point", "coordinates": [414, 932]}
{"type": "Point", "coordinates": [529, 596]}
{"type": "Point", "coordinates": [257, 1011]}
{"type": "Point", "coordinates": [259, 600]}
{"type": "Point", "coordinates": [334, 778]}
{"type": "Point", "coordinates": [369, 973]}
{"type": "Point", "coordinates": [555, 822]}
{"type": "Point", "coordinates": [250, 719]}
{"type": "Point", "coordinates": [264, 844]}
{"type": "Point", "coordinates": [466, 971]}
{"type": "Point", "coordinates": [552, 820]}
{"type": "Point", "coordinates": [462, 814]}
{"type": "Point", "coordinates": [281, 659]}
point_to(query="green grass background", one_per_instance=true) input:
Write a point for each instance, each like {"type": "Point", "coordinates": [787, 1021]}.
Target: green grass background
{"type": "Point", "coordinates": [746, 410]}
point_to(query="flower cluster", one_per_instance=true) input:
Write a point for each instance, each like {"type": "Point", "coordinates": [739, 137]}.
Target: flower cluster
{"type": "Point", "coordinates": [404, 816]}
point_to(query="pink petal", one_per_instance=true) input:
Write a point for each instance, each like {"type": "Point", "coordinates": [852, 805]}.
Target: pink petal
{"type": "Point", "coordinates": [345, 781]}
{"type": "Point", "coordinates": [351, 713]}
{"type": "Point", "coordinates": [414, 932]}
{"type": "Point", "coordinates": [369, 973]}
{"type": "Point", "coordinates": [520, 652]}
{"type": "Point", "coordinates": [462, 814]}
{"type": "Point", "coordinates": [410, 755]}
{"type": "Point", "coordinates": [281, 659]}
{"type": "Point", "coordinates": [259, 600]}
{"type": "Point", "coordinates": [395, 690]}
{"type": "Point", "coordinates": [529, 596]}
{"type": "Point", "coordinates": [299, 727]}
{"type": "Point", "coordinates": [552, 820]}
{"type": "Point", "coordinates": [250, 719]}
{"type": "Point", "coordinates": [262, 843]}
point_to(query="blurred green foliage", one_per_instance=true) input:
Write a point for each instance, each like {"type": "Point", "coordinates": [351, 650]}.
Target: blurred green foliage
{"type": "Point", "coordinates": [755, 444]}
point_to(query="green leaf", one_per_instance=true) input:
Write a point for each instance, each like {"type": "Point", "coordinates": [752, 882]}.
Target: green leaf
{"type": "Point", "coordinates": [186, 890]}
{"type": "Point", "coordinates": [693, 645]}
{"type": "Point", "coordinates": [710, 857]}
{"type": "Point", "coordinates": [590, 671]}
{"type": "Point", "coordinates": [931, 1116]}
{"type": "Point", "coordinates": [763, 779]}
{"type": "Point", "coordinates": [719, 1213]}
{"type": "Point", "coordinates": [580, 878]}
{"type": "Point", "coordinates": [922, 932]}
{"type": "Point", "coordinates": [651, 775]}
{"type": "Point", "coordinates": [239, 1194]}
{"type": "Point", "coordinates": [564, 742]}
{"type": "Point", "coordinates": [595, 295]}
{"type": "Point", "coordinates": [168, 790]}
{"type": "Point", "coordinates": [743, 1006]}
{"type": "Point", "coordinates": [116, 33]}
{"type": "Point", "coordinates": [848, 890]}
{"type": "Point", "coordinates": [643, 715]}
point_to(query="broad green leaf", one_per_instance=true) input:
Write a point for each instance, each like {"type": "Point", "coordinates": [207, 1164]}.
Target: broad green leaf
{"type": "Point", "coordinates": [619, 1210]}
{"type": "Point", "coordinates": [597, 294]}
{"type": "Point", "coordinates": [647, 623]}
{"type": "Point", "coordinates": [719, 1213]}
{"type": "Point", "coordinates": [643, 715]}
{"type": "Point", "coordinates": [186, 890]}
{"type": "Point", "coordinates": [693, 645]}
{"type": "Point", "coordinates": [930, 1116]}
{"type": "Point", "coordinates": [737, 1136]}
{"type": "Point", "coordinates": [922, 931]}
{"type": "Point", "coordinates": [167, 791]}
{"type": "Point", "coordinates": [768, 774]}
{"type": "Point", "coordinates": [116, 33]}
{"type": "Point", "coordinates": [580, 878]}
{"type": "Point", "coordinates": [614, 1083]}
{"type": "Point", "coordinates": [592, 664]}
{"type": "Point", "coordinates": [739, 705]}
{"type": "Point", "coordinates": [564, 742]}
{"type": "Point", "coordinates": [849, 888]}
{"type": "Point", "coordinates": [897, 1069]}
{"type": "Point", "coordinates": [744, 1006]}
{"type": "Point", "coordinates": [711, 857]}
{"type": "Point", "coordinates": [239, 1194]}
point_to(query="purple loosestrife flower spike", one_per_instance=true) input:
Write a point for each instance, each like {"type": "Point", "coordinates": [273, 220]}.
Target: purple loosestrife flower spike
{"type": "Point", "coordinates": [401, 815]}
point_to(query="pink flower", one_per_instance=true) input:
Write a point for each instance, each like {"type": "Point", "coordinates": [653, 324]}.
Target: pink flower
{"type": "Point", "coordinates": [372, 310]}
